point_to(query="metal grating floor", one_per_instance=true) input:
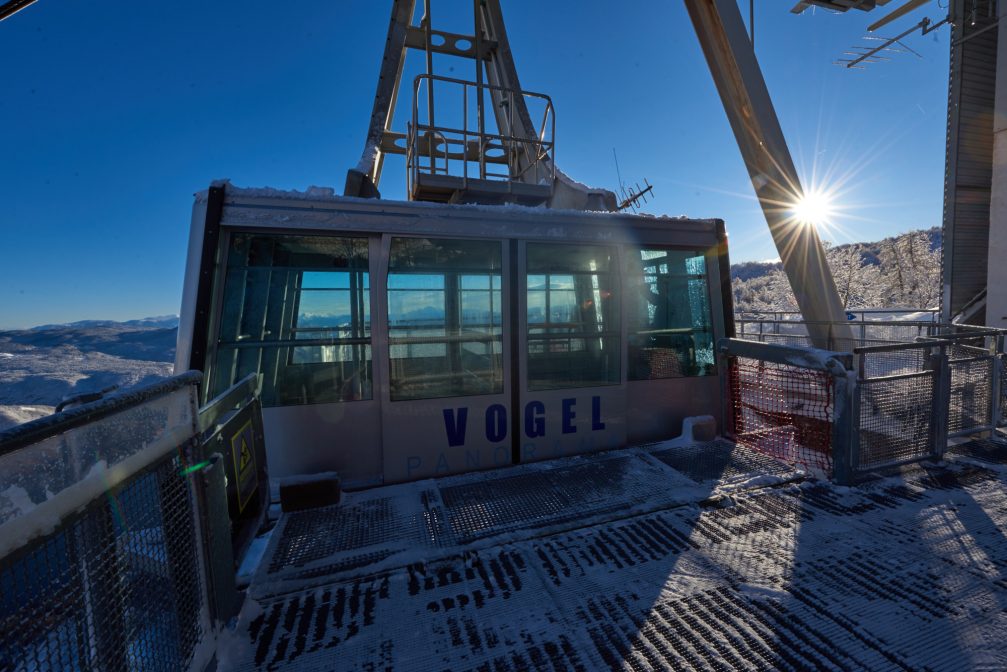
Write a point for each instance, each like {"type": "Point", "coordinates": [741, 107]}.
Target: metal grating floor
{"type": "Point", "coordinates": [705, 462]}
{"type": "Point", "coordinates": [908, 572]}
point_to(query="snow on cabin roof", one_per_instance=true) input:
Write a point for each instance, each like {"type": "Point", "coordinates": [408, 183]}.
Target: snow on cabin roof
{"type": "Point", "coordinates": [329, 195]}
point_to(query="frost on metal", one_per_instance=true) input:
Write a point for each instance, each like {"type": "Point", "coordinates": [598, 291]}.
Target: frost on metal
{"type": "Point", "coordinates": [690, 557]}
{"type": "Point", "coordinates": [329, 195]}
{"type": "Point", "coordinates": [74, 460]}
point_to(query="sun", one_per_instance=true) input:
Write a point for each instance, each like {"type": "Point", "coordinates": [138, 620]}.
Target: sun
{"type": "Point", "coordinates": [814, 208]}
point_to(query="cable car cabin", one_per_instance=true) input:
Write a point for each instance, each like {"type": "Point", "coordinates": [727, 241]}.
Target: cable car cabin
{"type": "Point", "coordinates": [399, 341]}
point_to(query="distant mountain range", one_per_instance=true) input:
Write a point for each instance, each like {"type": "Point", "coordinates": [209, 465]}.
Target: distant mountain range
{"type": "Point", "coordinates": [125, 340]}
{"type": "Point", "coordinates": [39, 367]}
{"type": "Point", "coordinates": [162, 322]}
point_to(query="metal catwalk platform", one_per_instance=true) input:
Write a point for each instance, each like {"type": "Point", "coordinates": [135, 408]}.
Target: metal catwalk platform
{"type": "Point", "coordinates": [698, 557]}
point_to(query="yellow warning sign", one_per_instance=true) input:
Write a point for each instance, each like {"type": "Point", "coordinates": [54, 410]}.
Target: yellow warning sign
{"type": "Point", "coordinates": [246, 455]}
{"type": "Point", "coordinates": [244, 464]}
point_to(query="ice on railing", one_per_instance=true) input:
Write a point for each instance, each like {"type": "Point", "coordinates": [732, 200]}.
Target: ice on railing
{"type": "Point", "coordinates": [39, 472]}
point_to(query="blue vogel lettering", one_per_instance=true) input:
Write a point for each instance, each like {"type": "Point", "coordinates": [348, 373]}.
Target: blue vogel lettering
{"type": "Point", "coordinates": [534, 419]}
{"type": "Point", "coordinates": [596, 423]}
{"type": "Point", "coordinates": [496, 424]}
{"type": "Point", "coordinates": [569, 415]}
{"type": "Point", "coordinates": [454, 425]}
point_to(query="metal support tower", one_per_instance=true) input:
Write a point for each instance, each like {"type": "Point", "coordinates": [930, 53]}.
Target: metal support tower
{"type": "Point", "coordinates": [731, 57]}
{"type": "Point", "coordinates": [532, 176]}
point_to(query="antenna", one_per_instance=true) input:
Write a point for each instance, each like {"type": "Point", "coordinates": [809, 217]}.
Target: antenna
{"type": "Point", "coordinates": [867, 55]}
{"type": "Point", "coordinates": [634, 196]}
{"type": "Point", "coordinates": [617, 173]}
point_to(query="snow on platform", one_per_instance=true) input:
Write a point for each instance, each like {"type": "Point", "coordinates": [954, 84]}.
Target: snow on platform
{"type": "Point", "coordinates": [699, 557]}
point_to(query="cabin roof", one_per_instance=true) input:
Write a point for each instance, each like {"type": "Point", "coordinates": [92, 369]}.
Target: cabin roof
{"type": "Point", "coordinates": [325, 198]}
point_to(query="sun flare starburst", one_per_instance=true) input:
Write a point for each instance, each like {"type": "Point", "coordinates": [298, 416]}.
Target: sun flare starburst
{"type": "Point", "coordinates": [815, 207]}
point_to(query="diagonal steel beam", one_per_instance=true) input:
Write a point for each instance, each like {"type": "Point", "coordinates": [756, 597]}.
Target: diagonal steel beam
{"type": "Point", "coordinates": [364, 179]}
{"type": "Point", "coordinates": [12, 7]}
{"type": "Point", "coordinates": [731, 58]}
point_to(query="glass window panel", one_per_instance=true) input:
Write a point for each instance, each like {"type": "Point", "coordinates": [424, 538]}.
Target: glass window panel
{"type": "Point", "coordinates": [324, 308]}
{"type": "Point", "coordinates": [480, 308]}
{"type": "Point", "coordinates": [560, 282]}
{"type": "Point", "coordinates": [328, 280]}
{"type": "Point", "coordinates": [444, 318]}
{"type": "Point", "coordinates": [536, 305]}
{"type": "Point", "coordinates": [309, 290]}
{"type": "Point", "coordinates": [415, 308]}
{"type": "Point", "coordinates": [563, 306]}
{"type": "Point", "coordinates": [546, 258]}
{"type": "Point", "coordinates": [415, 281]}
{"type": "Point", "coordinates": [573, 317]}
{"type": "Point", "coordinates": [426, 254]}
{"type": "Point", "coordinates": [670, 332]}
{"type": "Point", "coordinates": [476, 281]}
{"type": "Point", "coordinates": [315, 252]}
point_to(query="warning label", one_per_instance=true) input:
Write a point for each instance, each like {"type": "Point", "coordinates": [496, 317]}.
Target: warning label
{"type": "Point", "coordinates": [243, 454]}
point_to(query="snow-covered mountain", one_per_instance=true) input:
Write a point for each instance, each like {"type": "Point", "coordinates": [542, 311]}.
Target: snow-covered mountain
{"type": "Point", "coordinates": [159, 322]}
{"type": "Point", "coordinates": [41, 366]}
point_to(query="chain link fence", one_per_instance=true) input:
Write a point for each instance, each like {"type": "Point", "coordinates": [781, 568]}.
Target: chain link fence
{"type": "Point", "coordinates": [117, 587]}
{"type": "Point", "coordinates": [917, 384]}
{"type": "Point", "coordinates": [895, 399]}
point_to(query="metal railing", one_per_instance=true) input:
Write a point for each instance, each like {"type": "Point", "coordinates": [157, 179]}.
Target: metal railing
{"type": "Point", "coordinates": [853, 315]}
{"type": "Point", "coordinates": [446, 150]}
{"type": "Point", "coordinates": [915, 386]}
{"type": "Point", "coordinates": [795, 331]}
{"type": "Point", "coordinates": [900, 404]}
{"type": "Point", "coordinates": [115, 544]}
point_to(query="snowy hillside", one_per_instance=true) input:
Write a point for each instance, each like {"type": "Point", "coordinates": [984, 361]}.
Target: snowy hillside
{"type": "Point", "coordinates": [898, 272]}
{"type": "Point", "coordinates": [39, 367]}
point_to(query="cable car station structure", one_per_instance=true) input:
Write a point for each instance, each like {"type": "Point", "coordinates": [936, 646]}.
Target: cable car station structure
{"type": "Point", "coordinates": [506, 426]}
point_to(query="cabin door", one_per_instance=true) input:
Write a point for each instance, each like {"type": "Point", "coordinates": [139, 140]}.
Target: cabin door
{"type": "Point", "coordinates": [446, 395]}
{"type": "Point", "coordinates": [571, 355]}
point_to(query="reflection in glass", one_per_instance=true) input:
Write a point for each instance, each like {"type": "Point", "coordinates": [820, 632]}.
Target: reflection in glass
{"type": "Point", "coordinates": [444, 318]}
{"type": "Point", "coordinates": [297, 310]}
{"type": "Point", "coordinates": [573, 317]}
{"type": "Point", "coordinates": [669, 319]}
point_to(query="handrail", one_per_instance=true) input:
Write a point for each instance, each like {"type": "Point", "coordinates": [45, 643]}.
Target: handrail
{"type": "Point", "coordinates": [806, 358]}
{"type": "Point", "coordinates": [923, 344]}
{"type": "Point", "coordinates": [533, 150]}
{"type": "Point", "coordinates": [20, 530]}
{"type": "Point", "coordinates": [778, 314]}
{"type": "Point", "coordinates": [230, 399]}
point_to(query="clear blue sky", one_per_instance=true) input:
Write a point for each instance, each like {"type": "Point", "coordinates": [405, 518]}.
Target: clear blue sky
{"type": "Point", "coordinates": [114, 113]}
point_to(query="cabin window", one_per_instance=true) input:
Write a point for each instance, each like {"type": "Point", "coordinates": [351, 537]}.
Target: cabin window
{"type": "Point", "coordinates": [573, 317]}
{"type": "Point", "coordinates": [668, 314]}
{"type": "Point", "coordinates": [297, 310]}
{"type": "Point", "coordinates": [444, 318]}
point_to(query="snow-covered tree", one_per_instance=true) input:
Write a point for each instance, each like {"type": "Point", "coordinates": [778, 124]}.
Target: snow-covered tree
{"type": "Point", "coordinates": [912, 270]}
{"type": "Point", "coordinates": [859, 283]}
{"type": "Point", "coordinates": [899, 272]}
